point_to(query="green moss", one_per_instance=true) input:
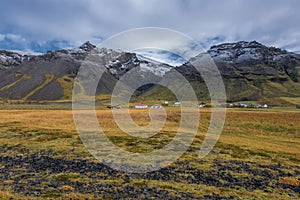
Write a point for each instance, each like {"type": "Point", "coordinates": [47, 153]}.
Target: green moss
{"type": "Point", "coordinates": [65, 176]}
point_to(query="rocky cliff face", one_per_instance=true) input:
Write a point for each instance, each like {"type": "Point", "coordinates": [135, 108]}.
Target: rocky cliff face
{"type": "Point", "coordinates": [9, 59]}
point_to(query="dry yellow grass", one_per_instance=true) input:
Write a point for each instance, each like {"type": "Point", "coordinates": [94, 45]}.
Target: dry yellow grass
{"type": "Point", "coordinates": [269, 131]}
{"type": "Point", "coordinates": [263, 136]}
{"type": "Point", "coordinates": [289, 181]}
{"type": "Point", "coordinates": [275, 133]}
{"type": "Point", "coordinates": [66, 188]}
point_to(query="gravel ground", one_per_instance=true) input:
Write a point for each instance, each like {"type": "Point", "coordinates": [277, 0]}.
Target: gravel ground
{"type": "Point", "coordinates": [45, 174]}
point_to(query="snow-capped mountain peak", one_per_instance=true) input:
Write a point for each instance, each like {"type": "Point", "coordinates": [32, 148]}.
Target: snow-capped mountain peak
{"type": "Point", "coordinates": [245, 51]}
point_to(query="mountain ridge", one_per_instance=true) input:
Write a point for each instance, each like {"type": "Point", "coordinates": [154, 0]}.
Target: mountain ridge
{"type": "Point", "coordinates": [250, 70]}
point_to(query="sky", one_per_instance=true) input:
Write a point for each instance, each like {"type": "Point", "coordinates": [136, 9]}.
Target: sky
{"type": "Point", "coordinates": [40, 25]}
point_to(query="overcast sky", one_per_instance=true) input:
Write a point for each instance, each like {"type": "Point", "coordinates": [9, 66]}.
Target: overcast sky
{"type": "Point", "coordinates": [37, 25]}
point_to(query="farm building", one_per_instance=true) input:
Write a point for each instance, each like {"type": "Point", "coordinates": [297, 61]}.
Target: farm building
{"type": "Point", "coordinates": [201, 105]}
{"type": "Point", "coordinates": [141, 105]}
{"type": "Point", "coordinates": [238, 105]}
{"type": "Point", "coordinates": [157, 106]}
{"type": "Point", "coordinates": [243, 105]}
{"type": "Point", "coordinates": [263, 106]}
{"type": "Point", "coordinates": [176, 104]}
{"type": "Point", "coordinates": [113, 107]}
{"type": "Point", "coordinates": [165, 103]}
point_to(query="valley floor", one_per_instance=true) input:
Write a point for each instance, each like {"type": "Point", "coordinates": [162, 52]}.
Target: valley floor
{"type": "Point", "coordinates": [256, 157]}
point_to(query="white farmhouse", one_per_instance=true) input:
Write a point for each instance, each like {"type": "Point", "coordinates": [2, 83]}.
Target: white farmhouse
{"type": "Point", "coordinates": [165, 103]}
{"type": "Point", "coordinates": [201, 105]}
{"type": "Point", "coordinates": [141, 105]}
{"type": "Point", "coordinates": [156, 106]}
{"type": "Point", "coordinates": [176, 104]}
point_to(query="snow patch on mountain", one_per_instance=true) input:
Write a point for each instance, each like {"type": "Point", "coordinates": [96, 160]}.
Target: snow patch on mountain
{"type": "Point", "coordinates": [159, 56]}
{"type": "Point", "coordinates": [158, 70]}
{"type": "Point", "coordinates": [245, 51]}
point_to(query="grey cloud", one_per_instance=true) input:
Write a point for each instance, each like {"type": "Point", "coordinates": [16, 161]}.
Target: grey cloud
{"type": "Point", "coordinates": [270, 22]}
{"type": "Point", "coordinates": [2, 37]}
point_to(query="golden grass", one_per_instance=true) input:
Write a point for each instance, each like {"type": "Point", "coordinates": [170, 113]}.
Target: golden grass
{"type": "Point", "coordinates": [289, 181]}
{"type": "Point", "coordinates": [66, 188]}
{"type": "Point", "coordinates": [265, 136]}
{"type": "Point", "coordinates": [8, 194]}
{"type": "Point", "coordinates": [258, 133]}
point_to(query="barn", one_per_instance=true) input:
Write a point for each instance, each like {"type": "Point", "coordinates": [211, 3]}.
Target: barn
{"type": "Point", "coordinates": [156, 106]}
{"type": "Point", "coordinates": [176, 104]}
{"type": "Point", "coordinates": [201, 105]}
{"type": "Point", "coordinates": [141, 105]}
{"type": "Point", "coordinates": [165, 103]}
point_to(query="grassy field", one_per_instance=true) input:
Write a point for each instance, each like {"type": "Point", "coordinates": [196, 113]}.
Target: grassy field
{"type": "Point", "coordinates": [256, 157]}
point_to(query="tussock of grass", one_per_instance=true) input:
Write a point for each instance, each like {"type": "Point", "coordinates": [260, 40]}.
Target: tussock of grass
{"type": "Point", "coordinates": [66, 176]}
{"type": "Point", "coordinates": [289, 181]}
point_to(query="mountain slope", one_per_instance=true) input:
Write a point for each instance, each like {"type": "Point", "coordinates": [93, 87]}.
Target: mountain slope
{"type": "Point", "coordinates": [260, 72]}
{"type": "Point", "coordinates": [250, 70]}
{"type": "Point", "coordinates": [51, 76]}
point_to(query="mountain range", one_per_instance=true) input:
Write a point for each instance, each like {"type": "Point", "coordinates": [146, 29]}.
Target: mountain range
{"type": "Point", "coordinates": [250, 71]}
